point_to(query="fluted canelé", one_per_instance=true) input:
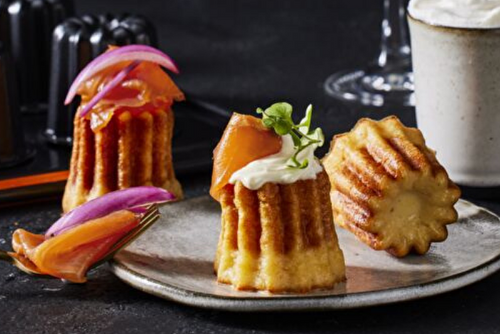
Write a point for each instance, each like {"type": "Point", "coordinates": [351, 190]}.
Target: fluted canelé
{"type": "Point", "coordinates": [132, 150]}
{"type": "Point", "coordinates": [388, 187]}
{"type": "Point", "coordinates": [279, 238]}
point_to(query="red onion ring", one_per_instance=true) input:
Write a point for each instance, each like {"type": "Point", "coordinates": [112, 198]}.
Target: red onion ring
{"type": "Point", "coordinates": [102, 206]}
{"type": "Point", "coordinates": [121, 54]}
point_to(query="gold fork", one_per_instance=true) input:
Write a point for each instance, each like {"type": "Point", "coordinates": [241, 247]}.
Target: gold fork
{"type": "Point", "coordinates": [150, 217]}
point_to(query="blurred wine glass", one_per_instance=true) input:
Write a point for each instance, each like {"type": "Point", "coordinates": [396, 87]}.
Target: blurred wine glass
{"type": "Point", "coordinates": [389, 79]}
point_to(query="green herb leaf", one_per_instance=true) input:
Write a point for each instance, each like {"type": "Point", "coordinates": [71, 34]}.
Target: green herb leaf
{"type": "Point", "coordinates": [304, 164]}
{"type": "Point", "coordinates": [281, 127]}
{"type": "Point", "coordinates": [305, 123]}
{"type": "Point", "coordinates": [268, 122]}
{"type": "Point", "coordinates": [281, 110]}
{"type": "Point", "coordinates": [279, 118]}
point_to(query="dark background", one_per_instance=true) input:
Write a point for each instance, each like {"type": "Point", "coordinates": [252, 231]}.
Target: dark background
{"type": "Point", "coordinates": [240, 55]}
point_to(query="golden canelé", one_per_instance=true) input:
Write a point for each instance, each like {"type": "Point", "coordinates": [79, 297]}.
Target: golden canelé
{"type": "Point", "coordinates": [132, 150]}
{"type": "Point", "coordinates": [125, 140]}
{"type": "Point", "coordinates": [388, 188]}
{"type": "Point", "coordinates": [279, 238]}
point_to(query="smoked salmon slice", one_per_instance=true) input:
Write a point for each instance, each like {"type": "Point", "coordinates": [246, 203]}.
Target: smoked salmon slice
{"type": "Point", "coordinates": [70, 254]}
{"type": "Point", "coordinates": [245, 139]}
{"type": "Point", "coordinates": [146, 88]}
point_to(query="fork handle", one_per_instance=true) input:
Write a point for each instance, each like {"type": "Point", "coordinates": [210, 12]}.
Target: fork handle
{"type": "Point", "coordinates": [4, 256]}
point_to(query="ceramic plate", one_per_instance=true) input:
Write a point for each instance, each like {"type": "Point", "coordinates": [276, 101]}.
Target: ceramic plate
{"type": "Point", "coordinates": [174, 260]}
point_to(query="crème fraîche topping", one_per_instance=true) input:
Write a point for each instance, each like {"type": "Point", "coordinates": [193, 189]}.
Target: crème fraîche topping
{"type": "Point", "coordinates": [295, 161]}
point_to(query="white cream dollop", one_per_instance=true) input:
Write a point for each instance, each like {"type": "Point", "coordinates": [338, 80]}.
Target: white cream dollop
{"type": "Point", "coordinates": [274, 168]}
{"type": "Point", "coordinates": [478, 14]}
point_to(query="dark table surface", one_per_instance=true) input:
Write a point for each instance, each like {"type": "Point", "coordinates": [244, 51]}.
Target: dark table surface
{"type": "Point", "coordinates": [239, 54]}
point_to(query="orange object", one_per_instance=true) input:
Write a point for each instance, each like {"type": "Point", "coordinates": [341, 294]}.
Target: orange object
{"type": "Point", "coordinates": [70, 254]}
{"type": "Point", "coordinates": [146, 88]}
{"type": "Point", "coordinates": [245, 139]}
{"type": "Point", "coordinates": [32, 180]}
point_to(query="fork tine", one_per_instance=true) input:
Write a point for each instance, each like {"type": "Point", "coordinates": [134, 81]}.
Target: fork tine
{"type": "Point", "coordinates": [134, 234]}
{"type": "Point", "coordinates": [147, 220]}
{"type": "Point", "coordinates": [151, 210]}
{"type": "Point", "coordinates": [125, 241]}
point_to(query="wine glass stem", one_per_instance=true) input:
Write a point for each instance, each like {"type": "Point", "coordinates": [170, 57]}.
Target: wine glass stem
{"type": "Point", "coordinates": [395, 46]}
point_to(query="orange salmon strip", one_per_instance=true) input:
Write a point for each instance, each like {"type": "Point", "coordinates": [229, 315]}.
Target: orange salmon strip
{"type": "Point", "coordinates": [70, 254]}
{"type": "Point", "coordinates": [245, 139]}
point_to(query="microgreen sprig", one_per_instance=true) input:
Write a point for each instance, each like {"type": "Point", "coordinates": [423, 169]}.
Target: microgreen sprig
{"type": "Point", "coordinates": [279, 118]}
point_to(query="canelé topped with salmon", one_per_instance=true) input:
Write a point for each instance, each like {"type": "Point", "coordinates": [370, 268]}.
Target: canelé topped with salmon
{"type": "Point", "coordinates": [272, 149]}
{"type": "Point", "coordinates": [124, 125]}
{"type": "Point", "coordinates": [277, 225]}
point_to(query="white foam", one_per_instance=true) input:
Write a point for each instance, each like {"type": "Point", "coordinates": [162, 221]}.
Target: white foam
{"type": "Point", "coordinates": [479, 14]}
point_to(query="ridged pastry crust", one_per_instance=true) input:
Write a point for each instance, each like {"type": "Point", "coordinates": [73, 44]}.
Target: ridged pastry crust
{"type": "Point", "coordinates": [388, 188]}
{"type": "Point", "coordinates": [132, 150]}
{"type": "Point", "coordinates": [279, 238]}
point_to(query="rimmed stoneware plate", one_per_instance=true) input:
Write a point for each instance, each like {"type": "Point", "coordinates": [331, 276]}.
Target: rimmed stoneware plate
{"type": "Point", "coordinates": [174, 260]}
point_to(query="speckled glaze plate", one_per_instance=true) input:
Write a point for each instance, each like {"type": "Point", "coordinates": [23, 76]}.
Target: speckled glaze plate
{"type": "Point", "coordinates": [174, 260]}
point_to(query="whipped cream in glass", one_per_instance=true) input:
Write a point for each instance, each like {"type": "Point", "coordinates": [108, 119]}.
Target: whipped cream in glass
{"type": "Point", "coordinates": [473, 14]}
{"type": "Point", "coordinates": [456, 64]}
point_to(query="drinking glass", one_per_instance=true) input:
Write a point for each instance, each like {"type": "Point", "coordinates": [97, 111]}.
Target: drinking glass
{"type": "Point", "coordinates": [389, 79]}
